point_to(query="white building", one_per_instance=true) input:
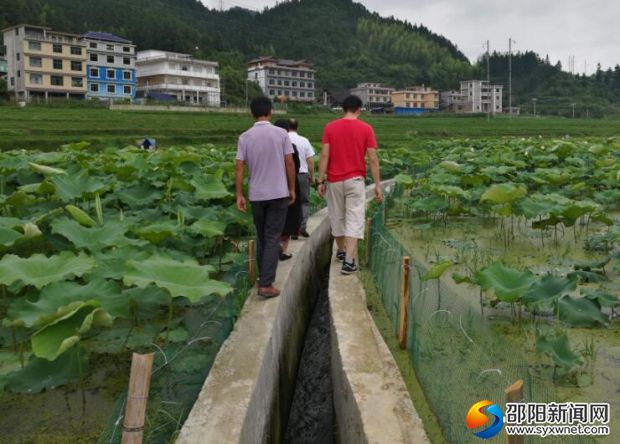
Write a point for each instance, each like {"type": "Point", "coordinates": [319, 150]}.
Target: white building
{"type": "Point", "coordinates": [167, 75]}
{"type": "Point", "coordinates": [282, 78]}
{"type": "Point", "coordinates": [478, 96]}
{"type": "Point", "coordinates": [450, 100]}
{"type": "Point", "coordinates": [373, 94]}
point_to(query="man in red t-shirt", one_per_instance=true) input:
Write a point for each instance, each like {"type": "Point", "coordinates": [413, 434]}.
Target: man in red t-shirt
{"type": "Point", "coordinates": [346, 143]}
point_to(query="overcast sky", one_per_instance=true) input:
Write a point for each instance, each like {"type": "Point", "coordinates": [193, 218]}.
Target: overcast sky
{"type": "Point", "coordinates": [589, 31]}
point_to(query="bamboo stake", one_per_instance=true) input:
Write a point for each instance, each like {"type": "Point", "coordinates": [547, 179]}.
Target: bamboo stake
{"type": "Point", "coordinates": [404, 304]}
{"type": "Point", "coordinates": [368, 240]}
{"type": "Point", "coordinates": [514, 393]}
{"type": "Point", "coordinates": [139, 384]}
{"type": "Point", "coordinates": [252, 261]}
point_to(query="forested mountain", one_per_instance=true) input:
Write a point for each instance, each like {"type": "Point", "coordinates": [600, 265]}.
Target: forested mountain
{"type": "Point", "coordinates": [347, 43]}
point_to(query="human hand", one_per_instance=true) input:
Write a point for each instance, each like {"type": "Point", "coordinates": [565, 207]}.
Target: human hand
{"type": "Point", "coordinates": [291, 197]}
{"type": "Point", "coordinates": [378, 193]}
{"type": "Point", "coordinates": [322, 189]}
{"type": "Point", "coordinates": [241, 204]}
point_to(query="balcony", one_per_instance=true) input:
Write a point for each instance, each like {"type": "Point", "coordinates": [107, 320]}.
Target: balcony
{"type": "Point", "coordinates": [163, 71]}
{"type": "Point", "coordinates": [178, 87]}
{"type": "Point", "coordinates": [53, 38]}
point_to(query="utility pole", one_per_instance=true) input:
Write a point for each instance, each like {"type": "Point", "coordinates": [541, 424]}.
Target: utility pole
{"type": "Point", "coordinates": [534, 103]}
{"type": "Point", "coordinates": [573, 110]}
{"type": "Point", "coordinates": [489, 79]}
{"type": "Point", "coordinates": [221, 5]}
{"type": "Point", "coordinates": [510, 42]}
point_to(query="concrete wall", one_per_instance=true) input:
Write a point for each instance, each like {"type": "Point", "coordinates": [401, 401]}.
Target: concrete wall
{"type": "Point", "coordinates": [187, 109]}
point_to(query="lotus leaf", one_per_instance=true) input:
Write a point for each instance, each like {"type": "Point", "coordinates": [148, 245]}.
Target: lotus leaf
{"type": "Point", "coordinates": [437, 270]}
{"type": "Point", "coordinates": [111, 234]}
{"type": "Point", "coordinates": [508, 284]}
{"type": "Point", "coordinates": [549, 288]}
{"type": "Point", "coordinates": [159, 231]}
{"type": "Point", "coordinates": [181, 278]}
{"type": "Point", "coordinates": [404, 179]}
{"type": "Point", "coordinates": [431, 204]}
{"type": "Point", "coordinates": [558, 348]}
{"type": "Point", "coordinates": [39, 270]}
{"type": "Point", "coordinates": [580, 312]}
{"type": "Point", "coordinates": [209, 228]}
{"type": "Point", "coordinates": [504, 193]}
{"type": "Point", "coordinates": [451, 166]}
{"type": "Point", "coordinates": [8, 236]}
{"type": "Point", "coordinates": [601, 298]}
{"type": "Point", "coordinates": [71, 187]}
{"type": "Point", "coordinates": [209, 187]}
{"type": "Point", "coordinates": [140, 195]}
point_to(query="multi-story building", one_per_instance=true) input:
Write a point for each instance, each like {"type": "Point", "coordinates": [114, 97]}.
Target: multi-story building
{"type": "Point", "coordinates": [450, 100]}
{"type": "Point", "coordinates": [111, 67]}
{"type": "Point", "coordinates": [4, 67]}
{"type": "Point", "coordinates": [178, 76]}
{"type": "Point", "coordinates": [373, 94]}
{"type": "Point", "coordinates": [282, 78]}
{"type": "Point", "coordinates": [479, 96]}
{"type": "Point", "coordinates": [44, 64]}
{"type": "Point", "coordinates": [416, 97]}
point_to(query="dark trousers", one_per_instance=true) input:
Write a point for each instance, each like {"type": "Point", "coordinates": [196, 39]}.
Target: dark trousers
{"type": "Point", "coordinates": [269, 218]}
{"type": "Point", "coordinates": [304, 197]}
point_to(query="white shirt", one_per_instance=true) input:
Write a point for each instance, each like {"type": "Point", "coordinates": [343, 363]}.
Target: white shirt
{"type": "Point", "coordinates": [305, 150]}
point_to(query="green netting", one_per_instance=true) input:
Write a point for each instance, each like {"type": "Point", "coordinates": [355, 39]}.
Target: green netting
{"type": "Point", "coordinates": [181, 367]}
{"type": "Point", "coordinates": [457, 357]}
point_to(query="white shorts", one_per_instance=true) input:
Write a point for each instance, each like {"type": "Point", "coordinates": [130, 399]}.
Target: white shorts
{"type": "Point", "coordinates": [346, 203]}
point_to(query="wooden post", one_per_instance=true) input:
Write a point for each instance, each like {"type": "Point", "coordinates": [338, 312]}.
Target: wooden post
{"type": "Point", "coordinates": [514, 393]}
{"type": "Point", "coordinates": [404, 305]}
{"type": "Point", "coordinates": [137, 397]}
{"type": "Point", "coordinates": [252, 261]}
{"type": "Point", "coordinates": [368, 240]}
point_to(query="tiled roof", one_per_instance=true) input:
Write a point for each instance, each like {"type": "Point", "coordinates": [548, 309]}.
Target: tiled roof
{"type": "Point", "coordinates": [105, 36]}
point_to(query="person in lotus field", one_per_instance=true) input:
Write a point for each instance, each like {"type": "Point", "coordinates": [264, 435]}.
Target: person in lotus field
{"type": "Point", "coordinates": [268, 153]}
{"type": "Point", "coordinates": [346, 144]}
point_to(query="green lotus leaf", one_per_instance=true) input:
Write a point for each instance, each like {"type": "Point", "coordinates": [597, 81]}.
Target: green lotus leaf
{"type": "Point", "coordinates": [40, 374]}
{"type": "Point", "coordinates": [10, 222]}
{"type": "Point", "coordinates": [39, 270]}
{"type": "Point", "coordinates": [111, 263]}
{"type": "Point", "coordinates": [461, 278]}
{"type": "Point", "coordinates": [451, 191]}
{"type": "Point", "coordinates": [508, 284]}
{"type": "Point", "coordinates": [181, 278]}
{"type": "Point", "coordinates": [503, 193]}
{"type": "Point", "coordinates": [558, 348]}
{"type": "Point", "coordinates": [438, 270]}
{"type": "Point", "coordinates": [80, 216]}
{"type": "Point", "coordinates": [531, 208]}
{"type": "Point", "coordinates": [208, 228]}
{"type": "Point", "coordinates": [592, 265]}
{"type": "Point", "coordinates": [76, 146]}
{"type": "Point", "coordinates": [209, 187]}
{"type": "Point", "coordinates": [587, 276]}
{"type": "Point", "coordinates": [404, 179]}
{"type": "Point", "coordinates": [451, 166]}
{"type": "Point", "coordinates": [31, 188]}
{"type": "Point", "coordinates": [46, 170]}
{"type": "Point", "coordinates": [116, 340]}
{"type": "Point", "coordinates": [8, 236]}
{"type": "Point", "coordinates": [140, 195]}
{"type": "Point", "coordinates": [57, 337]}
{"type": "Point", "coordinates": [158, 232]}
{"type": "Point", "coordinates": [601, 297]}
{"type": "Point", "coordinates": [548, 289]}
{"type": "Point", "coordinates": [60, 298]}
{"type": "Point", "coordinates": [580, 312]}
{"type": "Point", "coordinates": [474, 179]}
{"type": "Point", "coordinates": [111, 234]}
{"type": "Point", "coordinates": [577, 209]}
{"type": "Point", "coordinates": [544, 223]}
{"type": "Point", "coordinates": [71, 187]}
{"type": "Point", "coordinates": [563, 148]}
{"type": "Point", "coordinates": [176, 335]}
{"type": "Point", "coordinates": [603, 219]}
{"type": "Point", "coordinates": [599, 149]}
{"type": "Point", "coordinates": [431, 204]}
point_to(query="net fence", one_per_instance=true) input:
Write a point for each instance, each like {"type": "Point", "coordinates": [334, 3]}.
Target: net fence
{"type": "Point", "coordinates": [458, 358]}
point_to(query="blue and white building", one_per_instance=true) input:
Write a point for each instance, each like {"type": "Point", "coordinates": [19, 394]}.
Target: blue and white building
{"type": "Point", "coordinates": [111, 67]}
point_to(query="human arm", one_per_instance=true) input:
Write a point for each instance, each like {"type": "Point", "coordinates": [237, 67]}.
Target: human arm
{"type": "Point", "coordinates": [310, 161]}
{"type": "Point", "coordinates": [290, 177]}
{"type": "Point", "coordinates": [239, 170]}
{"type": "Point", "coordinates": [323, 162]}
{"type": "Point", "coordinates": [373, 160]}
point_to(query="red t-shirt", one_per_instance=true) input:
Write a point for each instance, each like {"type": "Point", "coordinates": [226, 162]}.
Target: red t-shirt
{"type": "Point", "coordinates": [348, 141]}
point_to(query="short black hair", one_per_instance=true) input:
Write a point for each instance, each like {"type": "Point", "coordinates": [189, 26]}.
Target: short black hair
{"type": "Point", "coordinates": [293, 124]}
{"type": "Point", "coordinates": [261, 107]}
{"type": "Point", "coordinates": [282, 123]}
{"type": "Point", "coordinates": [352, 104]}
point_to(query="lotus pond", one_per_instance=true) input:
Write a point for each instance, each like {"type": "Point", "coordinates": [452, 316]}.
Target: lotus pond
{"type": "Point", "coordinates": [527, 232]}
{"type": "Point", "coordinates": [106, 252]}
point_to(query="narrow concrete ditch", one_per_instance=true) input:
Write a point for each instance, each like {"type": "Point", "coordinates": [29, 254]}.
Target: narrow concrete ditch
{"type": "Point", "coordinates": [311, 419]}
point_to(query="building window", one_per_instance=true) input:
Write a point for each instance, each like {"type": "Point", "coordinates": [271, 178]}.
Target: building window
{"type": "Point", "coordinates": [126, 49]}
{"type": "Point", "coordinates": [310, 94]}
{"type": "Point", "coordinates": [302, 94]}
{"type": "Point", "coordinates": [294, 93]}
{"type": "Point", "coordinates": [77, 82]}
{"type": "Point", "coordinates": [110, 59]}
{"type": "Point", "coordinates": [112, 89]}
{"type": "Point", "coordinates": [36, 79]}
{"type": "Point", "coordinates": [94, 87]}
{"type": "Point", "coordinates": [94, 72]}
{"type": "Point", "coordinates": [286, 83]}
{"type": "Point", "coordinates": [127, 90]}
{"type": "Point", "coordinates": [302, 74]}
{"type": "Point", "coordinates": [109, 47]}
{"type": "Point", "coordinates": [57, 48]}
{"type": "Point", "coordinates": [271, 71]}
{"type": "Point", "coordinates": [279, 82]}
{"type": "Point", "coordinates": [94, 58]}
{"type": "Point", "coordinates": [279, 92]}
{"type": "Point", "coordinates": [126, 61]}
{"type": "Point", "coordinates": [111, 74]}
{"type": "Point", "coordinates": [93, 45]}
{"type": "Point", "coordinates": [272, 92]}
{"type": "Point", "coordinates": [76, 50]}
{"type": "Point", "coordinates": [272, 82]}
{"type": "Point", "coordinates": [126, 75]}
{"type": "Point", "coordinates": [184, 68]}
{"type": "Point", "coordinates": [36, 62]}
{"type": "Point", "coordinates": [76, 66]}
{"type": "Point", "coordinates": [57, 64]}
{"type": "Point", "coordinates": [310, 85]}
{"type": "Point", "coordinates": [57, 80]}
{"type": "Point", "coordinates": [12, 81]}
{"type": "Point", "coordinates": [34, 46]}
{"type": "Point", "coordinates": [294, 73]}
{"type": "Point", "coordinates": [302, 84]}
{"type": "Point", "coordinates": [18, 56]}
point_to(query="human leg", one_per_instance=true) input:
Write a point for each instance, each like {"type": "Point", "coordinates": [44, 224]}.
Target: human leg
{"type": "Point", "coordinates": [275, 217]}
{"type": "Point", "coordinates": [304, 197]}
{"type": "Point", "coordinates": [258, 214]}
{"type": "Point", "coordinates": [336, 211]}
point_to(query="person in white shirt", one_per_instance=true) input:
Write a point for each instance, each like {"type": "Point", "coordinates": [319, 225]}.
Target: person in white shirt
{"type": "Point", "coordinates": [306, 171]}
